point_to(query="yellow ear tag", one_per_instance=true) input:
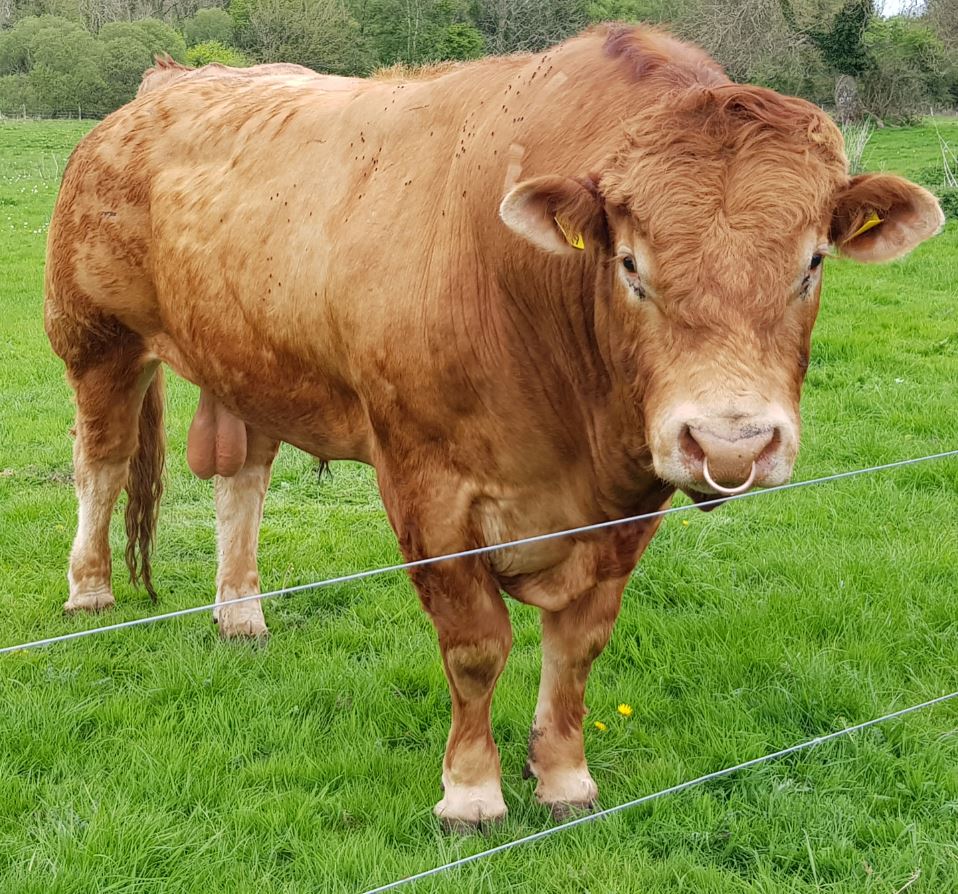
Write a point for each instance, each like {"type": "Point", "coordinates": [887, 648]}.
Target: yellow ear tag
{"type": "Point", "coordinates": [873, 221]}
{"type": "Point", "coordinates": [574, 239]}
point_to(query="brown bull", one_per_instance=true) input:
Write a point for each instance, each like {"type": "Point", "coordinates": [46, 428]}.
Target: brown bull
{"type": "Point", "coordinates": [532, 292]}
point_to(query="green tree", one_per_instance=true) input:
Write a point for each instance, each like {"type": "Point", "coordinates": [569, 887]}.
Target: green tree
{"type": "Point", "coordinates": [209, 25]}
{"type": "Point", "coordinates": [908, 70]}
{"type": "Point", "coordinates": [525, 25]}
{"type": "Point", "coordinates": [320, 34]}
{"type": "Point", "coordinates": [122, 63]}
{"type": "Point", "coordinates": [66, 73]}
{"type": "Point", "coordinates": [214, 51]}
{"type": "Point", "coordinates": [461, 40]}
{"type": "Point", "coordinates": [17, 95]}
{"type": "Point", "coordinates": [239, 11]}
{"type": "Point", "coordinates": [155, 36]}
{"type": "Point", "coordinates": [162, 38]}
{"type": "Point", "coordinates": [18, 44]}
{"type": "Point", "coordinates": [418, 31]}
{"type": "Point", "coordinates": [843, 45]}
{"type": "Point", "coordinates": [66, 9]}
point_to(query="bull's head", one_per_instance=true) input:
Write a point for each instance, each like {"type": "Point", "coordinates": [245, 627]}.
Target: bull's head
{"type": "Point", "coordinates": [708, 231]}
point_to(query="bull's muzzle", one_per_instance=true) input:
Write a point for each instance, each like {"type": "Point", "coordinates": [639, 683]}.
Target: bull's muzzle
{"type": "Point", "coordinates": [730, 455]}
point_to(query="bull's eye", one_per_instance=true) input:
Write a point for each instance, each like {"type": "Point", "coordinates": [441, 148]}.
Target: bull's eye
{"type": "Point", "coordinates": [631, 275]}
{"type": "Point", "coordinates": [816, 261]}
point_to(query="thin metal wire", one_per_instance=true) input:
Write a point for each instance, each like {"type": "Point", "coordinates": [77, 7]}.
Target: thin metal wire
{"type": "Point", "coordinates": [646, 799]}
{"type": "Point", "coordinates": [462, 554]}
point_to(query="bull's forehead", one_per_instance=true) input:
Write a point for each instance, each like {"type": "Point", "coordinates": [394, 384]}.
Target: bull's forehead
{"type": "Point", "coordinates": [745, 160]}
{"type": "Point", "coordinates": [757, 192]}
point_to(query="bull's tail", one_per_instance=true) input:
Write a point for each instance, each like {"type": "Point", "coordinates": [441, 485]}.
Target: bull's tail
{"type": "Point", "coordinates": [144, 486]}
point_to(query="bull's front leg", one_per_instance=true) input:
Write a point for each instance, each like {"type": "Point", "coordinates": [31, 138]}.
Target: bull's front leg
{"type": "Point", "coordinates": [475, 637]}
{"type": "Point", "coordinates": [571, 640]}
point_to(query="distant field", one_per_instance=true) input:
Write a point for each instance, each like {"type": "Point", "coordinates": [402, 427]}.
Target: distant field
{"type": "Point", "coordinates": [162, 760]}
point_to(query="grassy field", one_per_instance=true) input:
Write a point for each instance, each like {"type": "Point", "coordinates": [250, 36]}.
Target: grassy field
{"type": "Point", "coordinates": [162, 760]}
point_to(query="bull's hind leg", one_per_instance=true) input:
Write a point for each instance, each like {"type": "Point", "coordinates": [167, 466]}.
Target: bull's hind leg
{"type": "Point", "coordinates": [110, 378]}
{"type": "Point", "coordinates": [239, 512]}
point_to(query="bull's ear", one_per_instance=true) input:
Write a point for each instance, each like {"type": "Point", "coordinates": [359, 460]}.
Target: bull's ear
{"type": "Point", "coordinates": [556, 214]}
{"type": "Point", "coordinates": [880, 217]}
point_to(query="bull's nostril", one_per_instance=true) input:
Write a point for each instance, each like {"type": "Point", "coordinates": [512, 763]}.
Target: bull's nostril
{"type": "Point", "coordinates": [771, 448]}
{"type": "Point", "coordinates": [690, 447]}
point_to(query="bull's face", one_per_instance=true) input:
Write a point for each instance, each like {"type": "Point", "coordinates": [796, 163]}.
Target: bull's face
{"type": "Point", "coordinates": [708, 273]}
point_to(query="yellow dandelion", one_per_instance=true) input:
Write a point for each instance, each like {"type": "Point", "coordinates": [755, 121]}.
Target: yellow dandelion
{"type": "Point", "coordinates": [600, 726]}
{"type": "Point", "coordinates": [625, 710]}
{"type": "Point", "coordinates": [685, 522]}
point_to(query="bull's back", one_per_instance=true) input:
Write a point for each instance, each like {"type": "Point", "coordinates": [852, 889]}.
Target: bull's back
{"type": "Point", "coordinates": [252, 208]}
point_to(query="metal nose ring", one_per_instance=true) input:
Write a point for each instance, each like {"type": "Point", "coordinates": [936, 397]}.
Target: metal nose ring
{"type": "Point", "coordinates": [727, 491]}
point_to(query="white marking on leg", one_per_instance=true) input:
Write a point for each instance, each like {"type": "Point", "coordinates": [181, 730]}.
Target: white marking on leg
{"type": "Point", "coordinates": [471, 804]}
{"type": "Point", "coordinates": [98, 486]}
{"type": "Point", "coordinates": [239, 511]}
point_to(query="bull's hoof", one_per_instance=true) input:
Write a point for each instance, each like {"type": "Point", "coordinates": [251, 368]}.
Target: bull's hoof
{"type": "Point", "coordinates": [465, 810]}
{"type": "Point", "coordinates": [91, 601]}
{"type": "Point", "coordinates": [243, 621]}
{"type": "Point", "coordinates": [568, 793]}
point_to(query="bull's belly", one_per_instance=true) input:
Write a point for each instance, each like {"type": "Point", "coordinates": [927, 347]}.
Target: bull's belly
{"type": "Point", "coordinates": [317, 414]}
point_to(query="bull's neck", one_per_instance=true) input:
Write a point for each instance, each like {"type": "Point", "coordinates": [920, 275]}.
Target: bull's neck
{"type": "Point", "coordinates": [563, 350]}
{"type": "Point", "coordinates": [554, 113]}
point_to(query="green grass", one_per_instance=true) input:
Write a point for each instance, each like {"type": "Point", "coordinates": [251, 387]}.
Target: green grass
{"type": "Point", "coordinates": [912, 151]}
{"type": "Point", "coordinates": [162, 760]}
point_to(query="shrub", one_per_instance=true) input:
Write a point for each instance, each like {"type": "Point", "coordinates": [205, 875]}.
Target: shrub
{"type": "Point", "coordinates": [154, 35]}
{"type": "Point", "coordinates": [240, 12]}
{"type": "Point", "coordinates": [66, 73]}
{"type": "Point", "coordinates": [320, 34]}
{"type": "Point", "coordinates": [461, 41]}
{"type": "Point", "coordinates": [906, 74]}
{"type": "Point", "coordinates": [17, 95]}
{"type": "Point", "coordinates": [949, 202]}
{"type": "Point", "coordinates": [18, 45]}
{"type": "Point", "coordinates": [214, 51]}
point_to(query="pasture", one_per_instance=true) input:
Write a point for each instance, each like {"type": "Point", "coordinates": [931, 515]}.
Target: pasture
{"type": "Point", "coordinates": [160, 759]}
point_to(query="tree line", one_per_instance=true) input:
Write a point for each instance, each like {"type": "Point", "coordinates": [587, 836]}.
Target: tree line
{"type": "Point", "coordinates": [87, 56]}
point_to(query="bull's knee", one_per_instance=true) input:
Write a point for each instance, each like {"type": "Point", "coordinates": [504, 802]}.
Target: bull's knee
{"type": "Point", "coordinates": [475, 667]}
